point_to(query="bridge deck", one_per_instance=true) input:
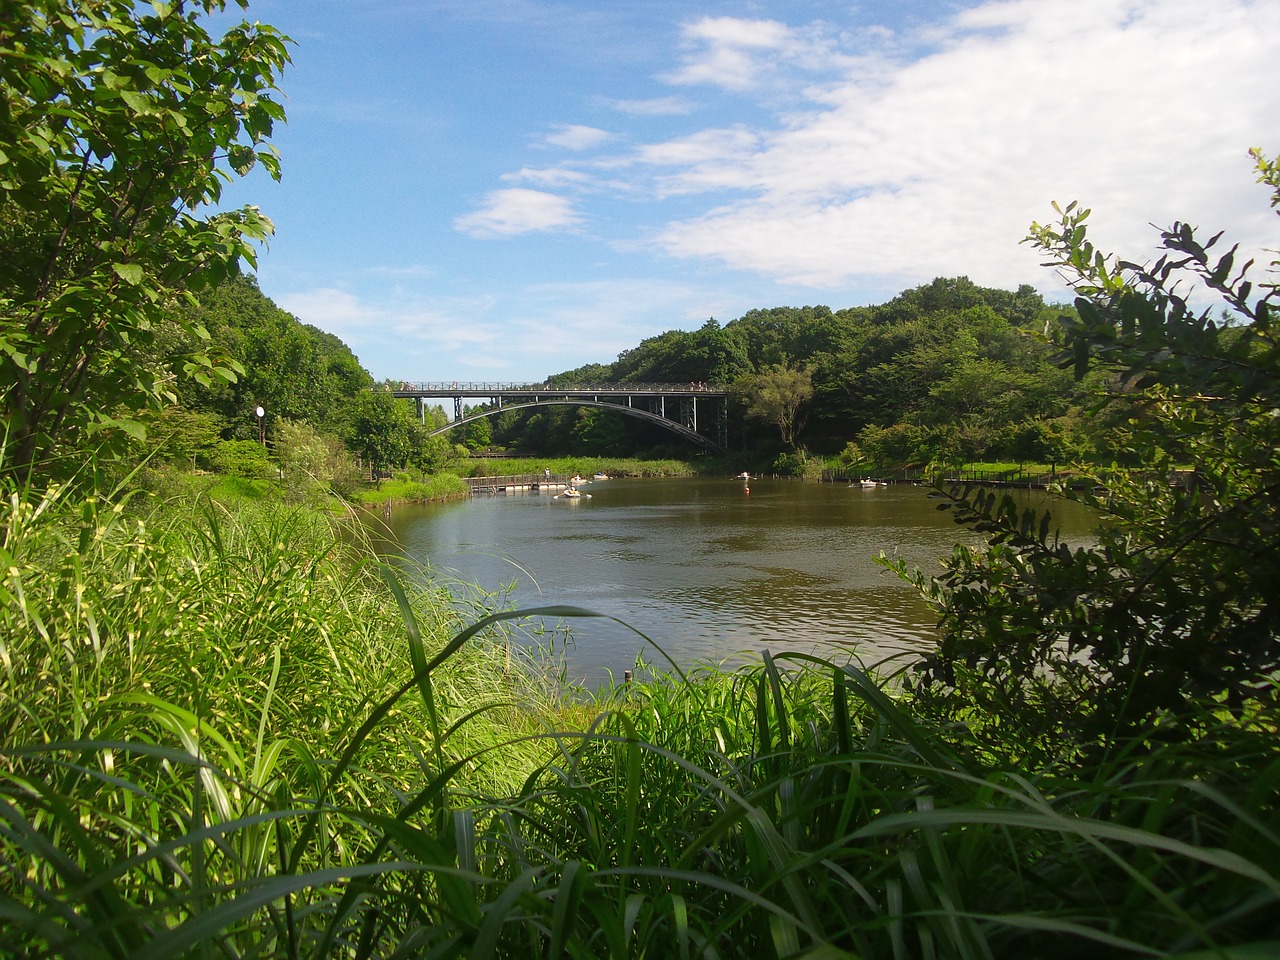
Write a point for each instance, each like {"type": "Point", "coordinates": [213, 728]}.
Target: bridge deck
{"type": "Point", "coordinates": [496, 389]}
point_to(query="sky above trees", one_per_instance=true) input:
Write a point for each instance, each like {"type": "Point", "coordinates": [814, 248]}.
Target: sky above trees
{"type": "Point", "coordinates": [507, 189]}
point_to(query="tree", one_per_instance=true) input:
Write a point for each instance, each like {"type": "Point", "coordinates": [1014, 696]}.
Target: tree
{"type": "Point", "coordinates": [382, 430]}
{"type": "Point", "coordinates": [891, 448]}
{"type": "Point", "coordinates": [314, 463]}
{"type": "Point", "coordinates": [119, 122]}
{"type": "Point", "coordinates": [1177, 603]}
{"type": "Point", "coordinates": [778, 395]}
{"type": "Point", "coordinates": [292, 369]}
{"type": "Point", "coordinates": [182, 436]}
{"type": "Point", "coordinates": [599, 432]}
{"type": "Point", "coordinates": [477, 434]}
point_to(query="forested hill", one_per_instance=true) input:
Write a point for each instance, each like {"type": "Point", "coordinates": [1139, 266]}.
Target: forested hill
{"type": "Point", "coordinates": [942, 371]}
{"type": "Point", "coordinates": [293, 370]}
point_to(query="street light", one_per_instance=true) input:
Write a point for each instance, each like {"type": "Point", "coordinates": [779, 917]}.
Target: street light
{"type": "Point", "coordinates": [262, 425]}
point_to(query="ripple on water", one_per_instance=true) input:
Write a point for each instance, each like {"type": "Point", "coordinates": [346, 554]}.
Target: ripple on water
{"type": "Point", "coordinates": [699, 568]}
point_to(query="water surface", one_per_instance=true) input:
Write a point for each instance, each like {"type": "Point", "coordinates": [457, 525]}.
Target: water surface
{"type": "Point", "coordinates": [707, 568]}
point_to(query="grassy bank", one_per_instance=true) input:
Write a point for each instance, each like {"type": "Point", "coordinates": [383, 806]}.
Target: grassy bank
{"type": "Point", "coordinates": [402, 489]}
{"type": "Point", "coordinates": [583, 466]}
{"type": "Point", "coordinates": [224, 737]}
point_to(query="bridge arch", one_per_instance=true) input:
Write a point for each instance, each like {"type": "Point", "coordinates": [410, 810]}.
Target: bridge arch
{"type": "Point", "coordinates": [667, 424]}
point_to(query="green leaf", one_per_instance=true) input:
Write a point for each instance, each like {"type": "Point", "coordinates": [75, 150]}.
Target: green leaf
{"type": "Point", "coordinates": [128, 272]}
{"type": "Point", "coordinates": [139, 102]}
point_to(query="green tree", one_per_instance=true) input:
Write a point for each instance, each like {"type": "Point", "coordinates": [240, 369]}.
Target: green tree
{"type": "Point", "coordinates": [180, 436]}
{"type": "Point", "coordinates": [313, 463]}
{"type": "Point", "coordinates": [587, 374]}
{"type": "Point", "coordinates": [599, 432]}
{"type": "Point", "coordinates": [120, 123]}
{"type": "Point", "coordinates": [778, 395]}
{"type": "Point", "coordinates": [429, 453]}
{"type": "Point", "coordinates": [292, 369]}
{"type": "Point", "coordinates": [241, 458]}
{"type": "Point", "coordinates": [1177, 602]}
{"type": "Point", "coordinates": [477, 434]}
{"type": "Point", "coordinates": [383, 430]}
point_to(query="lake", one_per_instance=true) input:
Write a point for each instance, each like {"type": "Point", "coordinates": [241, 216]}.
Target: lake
{"type": "Point", "coordinates": [706, 568]}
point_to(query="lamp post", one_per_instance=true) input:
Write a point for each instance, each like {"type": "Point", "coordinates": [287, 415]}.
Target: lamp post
{"type": "Point", "coordinates": [262, 425]}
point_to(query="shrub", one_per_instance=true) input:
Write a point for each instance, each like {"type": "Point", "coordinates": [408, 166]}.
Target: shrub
{"type": "Point", "coordinates": [242, 458]}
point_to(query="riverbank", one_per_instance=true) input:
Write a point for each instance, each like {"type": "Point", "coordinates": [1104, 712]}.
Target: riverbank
{"type": "Point", "coordinates": [226, 732]}
{"type": "Point", "coordinates": [405, 489]}
{"type": "Point", "coordinates": [450, 482]}
{"type": "Point", "coordinates": [585, 466]}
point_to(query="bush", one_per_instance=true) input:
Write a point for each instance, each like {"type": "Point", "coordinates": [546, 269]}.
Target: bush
{"type": "Point", "coordinates": [315, 464]}
{"type": "Point", "coordinates": [789, 464]}
{"type": "Point", "coordinates": [1176, 605]}
{"type": "Point", "coordinates": [242, 458]}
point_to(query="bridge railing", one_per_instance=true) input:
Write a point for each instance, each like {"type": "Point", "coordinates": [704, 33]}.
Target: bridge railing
{"type": "Point", "coordinates": [447, 388]}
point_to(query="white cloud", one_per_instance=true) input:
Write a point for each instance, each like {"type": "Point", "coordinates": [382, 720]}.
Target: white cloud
{"type": "Point", "coordinates": [336, 311]}
{"type": "Point", "coordinates": [724, 51]}
{"type": "Point", "coordinates": [517, 210]}
{"type": "Point", "coordinates": [1142, 110]}
{"type": "Point", "coordinates": [549, 177]}
{"type": "Point", "coordinates": [368, 324]}
{"type": "Point", "coordinates": [573, 136]}
{"type": "Point", "coordinates": [738, 55]}
{"type": "Point", "coordinates": [653, 107]}
{"type": "Point", "coordinates": [705, 146]}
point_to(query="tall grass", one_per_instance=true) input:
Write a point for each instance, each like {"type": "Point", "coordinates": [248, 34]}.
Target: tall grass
{"type": "Point", "coordinates": [224, 736]}
{"type": "Point", "coordinates": [439, 486]}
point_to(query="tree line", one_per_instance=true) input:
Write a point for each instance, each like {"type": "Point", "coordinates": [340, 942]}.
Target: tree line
{"type": "Point", "coordinates": [945, 372]}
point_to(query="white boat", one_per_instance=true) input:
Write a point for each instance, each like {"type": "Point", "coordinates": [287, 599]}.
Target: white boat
{"type": "Point", "coordinates": [866, 483]}
{"type": "Point", "coordinates": [572, 494]}
{"type": "Point", "coordinates": [744, 475]}
{"type": "Point", "coordinates": [600, 476]}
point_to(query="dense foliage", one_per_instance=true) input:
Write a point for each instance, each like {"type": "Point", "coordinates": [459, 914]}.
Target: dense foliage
{"type": "Point", "coordinates": [1176, 603]}
{"type": "Point", "coordinates": [946, 372]}
{"type": "Point", "coordinates": [221, 737]}
{"type": "Point", "coordinates": [119, 124]}
{"type": "Point", "coordinates": [293, 370]}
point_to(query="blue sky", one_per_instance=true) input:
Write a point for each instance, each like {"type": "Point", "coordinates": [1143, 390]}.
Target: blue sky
{"type": "Point", "coordinates": [499, 190]}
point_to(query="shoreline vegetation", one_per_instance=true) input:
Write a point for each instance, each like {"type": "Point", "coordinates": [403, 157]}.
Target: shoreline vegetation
{"type": "Point", "coordinates": [449, 483]}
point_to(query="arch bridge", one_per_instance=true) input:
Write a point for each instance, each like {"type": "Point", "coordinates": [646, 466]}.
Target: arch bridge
{"type": "Point", "coordinates": [695, 411]}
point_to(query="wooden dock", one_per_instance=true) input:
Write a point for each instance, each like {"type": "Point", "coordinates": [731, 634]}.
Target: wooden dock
{"type": "Point", "coordinates": [517, 483]}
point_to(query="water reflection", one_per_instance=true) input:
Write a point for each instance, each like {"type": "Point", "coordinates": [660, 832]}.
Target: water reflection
{"type": "Point", "coordinates": [702, 568]}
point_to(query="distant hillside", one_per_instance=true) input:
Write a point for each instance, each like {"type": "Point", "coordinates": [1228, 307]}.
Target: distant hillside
{"type": "Point", "coordinates": [944, 370]}
{"type": "Point", "coordinates": [292, 369]}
